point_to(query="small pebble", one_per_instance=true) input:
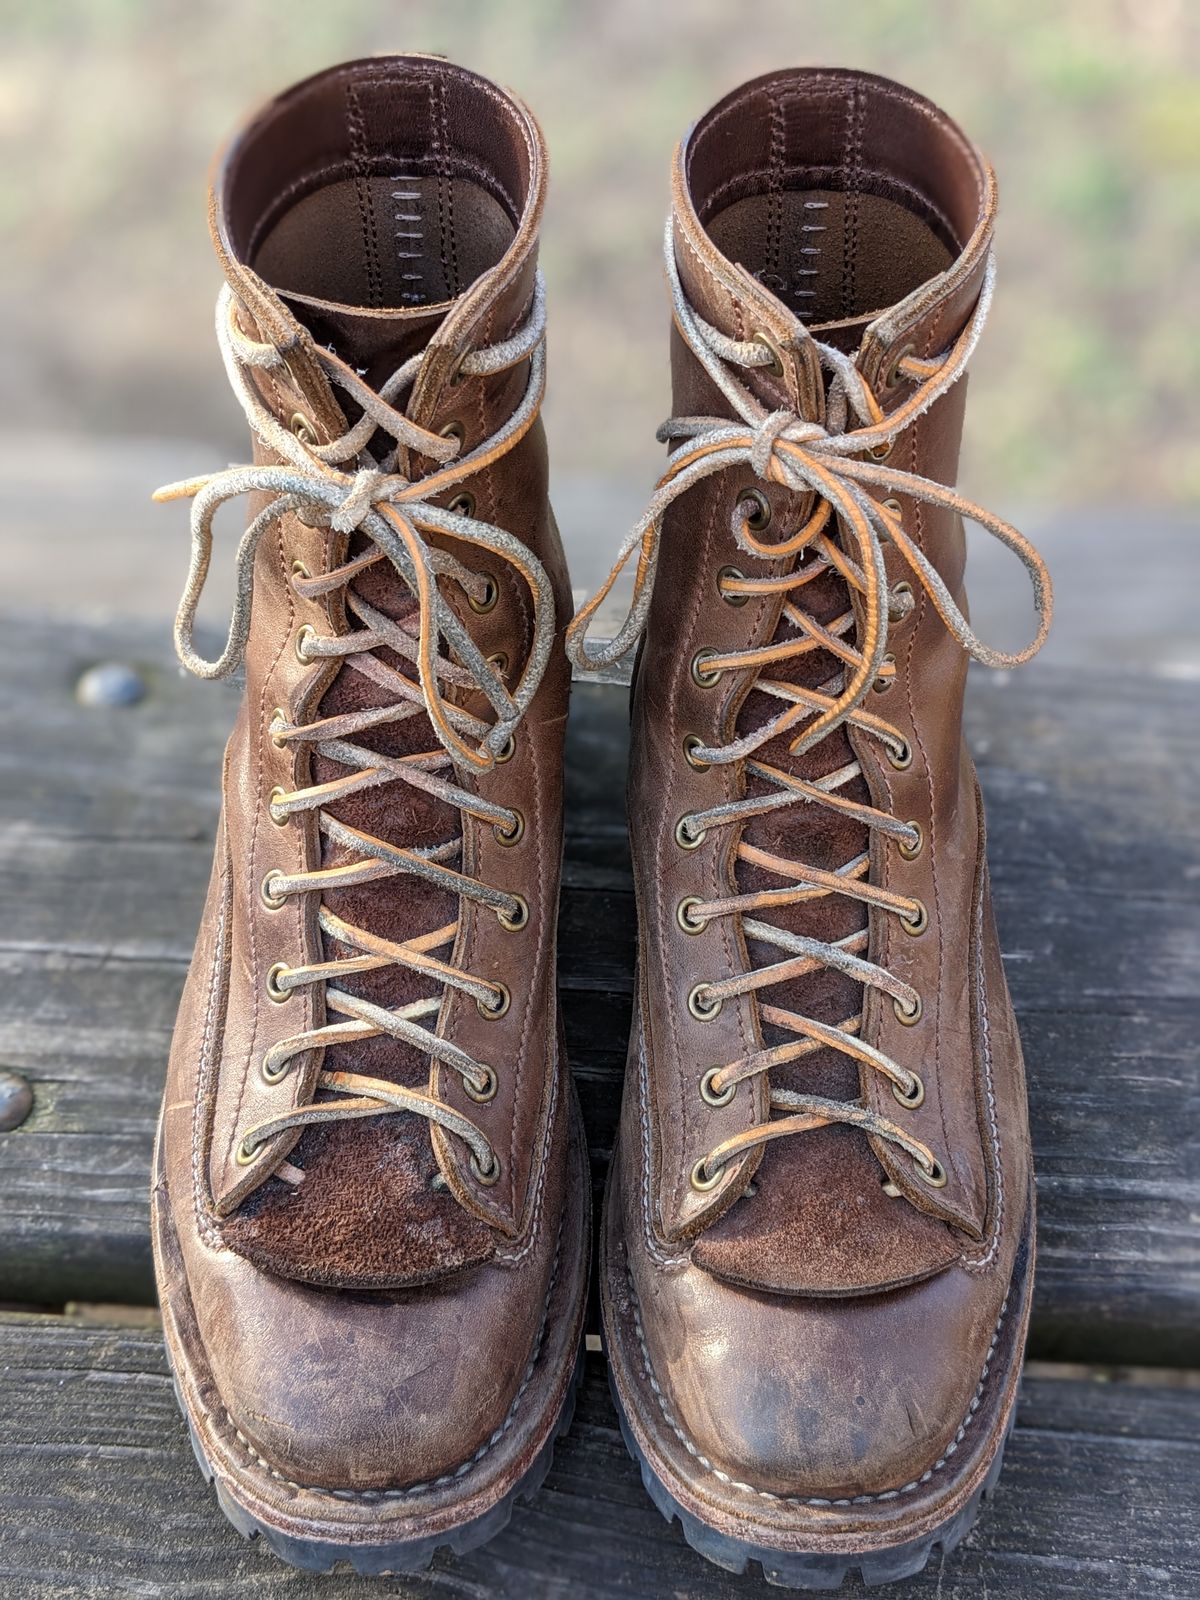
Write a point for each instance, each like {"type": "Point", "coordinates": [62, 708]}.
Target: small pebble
{"type": "Point", "coordinates": [16, 1101]}
{"type": "Point", "coordinates": [110, 683]}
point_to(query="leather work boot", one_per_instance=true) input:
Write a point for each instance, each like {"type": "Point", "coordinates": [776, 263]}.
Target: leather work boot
{"type": "Point", "coordinates": [819, 1230]}
{"type": "Point", "coordinates": [370, 1193]}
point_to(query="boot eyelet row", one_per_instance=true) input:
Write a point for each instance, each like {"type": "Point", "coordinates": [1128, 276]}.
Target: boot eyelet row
{"type": "Point", "coordinates": [684, 840]}
{"type": "Point", "coordinates": [692, 742]}
{"type": "Point", "coordinates": [703, 1010]}
{"type": "Point", "coordinates": [683, 915]}
{"type": "Point", "coordinates": [503, 1000]}
{"type": "Point", "coordinates": [704, 678]}
{"type": "Point", "coordinates": [737, 576]}
{"type": "Point", "coordinates": [917, 1095]}
{"type": "Point", "coordinates": [512, 834]}
{"type": "Point", "coordinates": [274, 992]}
{"type": "Point", "coordinates": [910, 852]}
{"type": "Point", "coordinates": [715, 1097]}
{"type": "Point", "coordinates": [758, 519]}
{"type": "Point", "coordinates": [515, 920]}
{"type": "Point", "coordinates": [481, 1093]}
{"type": "Point", "coordinates": [908, 1017]}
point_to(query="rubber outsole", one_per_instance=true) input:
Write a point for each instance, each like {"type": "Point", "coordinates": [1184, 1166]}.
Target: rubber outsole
{"type": "Point", "coordinates": [809, 1572]}
{"type": "Point", "coordinates": [386, 1560]}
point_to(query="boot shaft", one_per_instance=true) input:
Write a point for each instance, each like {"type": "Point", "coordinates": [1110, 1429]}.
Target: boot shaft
{"type": "Point", "coordinates": [829, 257]}
{"type": "Point", "coordinates": [378, 230]}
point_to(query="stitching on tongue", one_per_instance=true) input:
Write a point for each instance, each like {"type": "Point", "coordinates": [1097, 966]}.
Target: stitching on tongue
{"type": "Point", "coordinates": [409, 232]}
{"type": "Point", "coordinates": [357, 134]}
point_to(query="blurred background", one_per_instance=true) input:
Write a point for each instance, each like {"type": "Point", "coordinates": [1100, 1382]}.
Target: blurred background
{"type": "Point", "coordinates": [110, 111]}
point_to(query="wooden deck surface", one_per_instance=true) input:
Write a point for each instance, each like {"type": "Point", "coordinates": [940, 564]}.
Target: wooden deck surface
{"type": "Point", "coordinates": [106, 820]}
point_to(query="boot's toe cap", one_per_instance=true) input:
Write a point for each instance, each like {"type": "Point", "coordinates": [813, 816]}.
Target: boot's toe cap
{"type": "Point", "coordinates": [820, 1399]}
{"type": "Point", "coordinates": [368, 1392]}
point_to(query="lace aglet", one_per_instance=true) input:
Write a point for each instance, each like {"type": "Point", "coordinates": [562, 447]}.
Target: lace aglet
{"type": "Point", "coordinates": [185, 489]}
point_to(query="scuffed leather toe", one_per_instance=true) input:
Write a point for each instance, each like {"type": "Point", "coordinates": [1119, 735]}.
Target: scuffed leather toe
{"type": "Point", "coordinates": [789, 1396]}
{"type": "Point", "coordinates": [369, 1392]}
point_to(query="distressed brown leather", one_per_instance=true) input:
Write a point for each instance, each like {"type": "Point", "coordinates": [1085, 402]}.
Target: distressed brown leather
{"type": "Point", "coordinates": [809, 1362]}
{"type": "Point", "coordinates": [361, 1328]}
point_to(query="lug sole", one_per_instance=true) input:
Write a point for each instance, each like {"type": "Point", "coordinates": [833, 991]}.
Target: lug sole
{"type": "Point", "coordinates": [404, 1557]}
{"type": "Point", "coordinates": [808, 1572]}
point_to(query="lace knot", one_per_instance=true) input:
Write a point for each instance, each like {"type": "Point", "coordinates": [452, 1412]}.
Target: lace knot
{"type": "Point", "coordinates": [358, 500]}
{"type": "Point", "coordinates": [773, 427]}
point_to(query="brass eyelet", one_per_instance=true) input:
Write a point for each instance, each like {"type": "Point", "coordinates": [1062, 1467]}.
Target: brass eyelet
{"type": "Point", "coordinates": [245, 1153]}
{"type": "Point", "coordinates": [704, 679]}
{"type": "Point", "coordinates": [715, 1097]}
{"type": "Point", "coordinates": [900, 759]}
{"type": "Point", "coordinates": [900, 591]}
{"type": "Point", "coordinates": [506, 751]}
{"type": "Point", "coordinates": [277, 1074]}
{"type": "Point", "coordinates": [691, 744]}
{"type": "Point", "coordinates": [893, 505]}
{"type": "Point", "coordinates": [303, 634]}
{"type": "Point", "coordinates": [456, 374]}
{"type": "Point", "coordinates": [698, 1179]}
{"type": "Point", "coordinates": [683, 917]}
{"type": "Point", "coordinates": [759, 519]}
{"type": "Point", "coordinates": [514, 921]}
{"type": "Point", "coordinates": [498, 663]}
{"type": "Point", "coordinates": [463, 504]}
{"type": "Point", "coordinates": [894, 376]}
{"type": "Point", "coordinates": [916, 1098]}
{"type": "Point", "coordinates": [908, 1018]}
{"type": "Point", "coordinates": [304, 428]}
{"type": "Point", "coordinates": [919, 920]}
{"type": "Point", "coordinates": [487, 600]}
{"type": "Point", "coordinates": [271, 901]}
{"type": "Point", "coordinates": [488, 1091]}
{"type": "Point", "coordinates": [936, 1179]}
{"type": "Point", "coordinates": [880, 452]}
{"type": "Point", "coordinates": [454, 430]}
{"type": "Point", "coordinates": [504, 1000]}
{"type": "Point", "coordinates": [702, 1011]}
{"type": "Point", "coordinates": [274, 992]}
{"type": "Point", "coordinates": [277, 794]}
{"type": "Point", "coordinates": [910, 852]}
{"type": "Point", "coordinates": [492, 1173]}
{"type": "Point", "coordinates": [775, 365]}
{"type": "Point", "coordinates": [882, 684]}
{"type": "Point", "coordinates": [513, 835]}
{"type": "Point", "coordinates": [299, 570]}
{"type": "Point", "coordinates": [738, 576]}
{"type": "Point", "coordinates": [277, 715]}
{"type": "Point", "coordinates": [684, 840]}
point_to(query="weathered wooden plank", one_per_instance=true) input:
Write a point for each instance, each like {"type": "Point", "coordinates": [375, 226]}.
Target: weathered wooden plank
{"type": "Point", "coordinates": [100, 1496]}
{"type": "Point", "coordinates": [105, 821]}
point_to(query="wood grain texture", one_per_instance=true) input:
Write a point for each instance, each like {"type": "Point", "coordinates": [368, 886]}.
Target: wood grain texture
{"type": "Point", "coordinates": [106, 818]}
{"type": "Point", "coordinates": [100, 1496]}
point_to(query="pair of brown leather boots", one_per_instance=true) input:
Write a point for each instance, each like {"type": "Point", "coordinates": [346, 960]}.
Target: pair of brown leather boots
{"type": "Point", "coordinates": [371, 1216]}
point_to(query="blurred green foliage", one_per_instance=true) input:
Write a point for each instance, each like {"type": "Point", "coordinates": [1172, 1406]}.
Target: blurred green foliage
{"type": "Point", "coordinates": [1090, 109]}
